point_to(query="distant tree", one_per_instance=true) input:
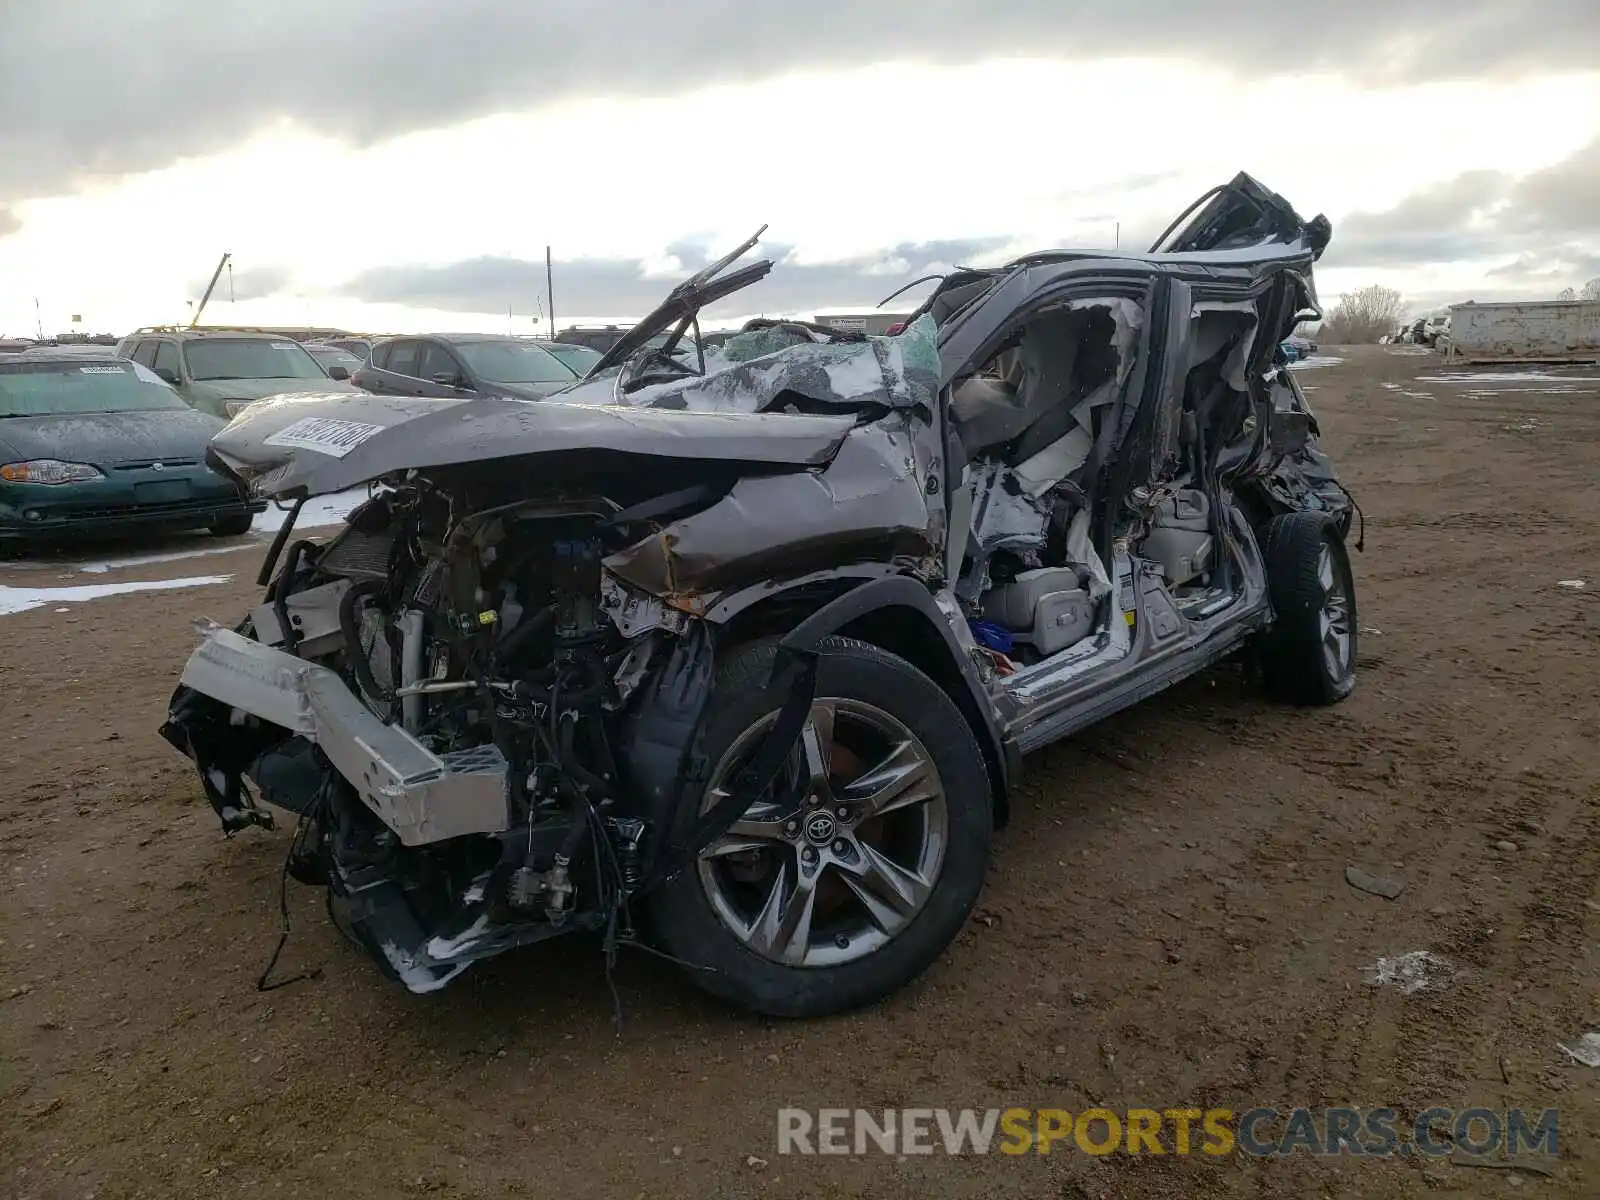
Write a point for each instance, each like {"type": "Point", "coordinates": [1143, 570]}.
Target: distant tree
{"type": "Point", "coordinates": [1566, 294]}
{"type": "Point", "coordinates": [1591, 290]}
{"type": "Point", "coordinates": [1361, 316]}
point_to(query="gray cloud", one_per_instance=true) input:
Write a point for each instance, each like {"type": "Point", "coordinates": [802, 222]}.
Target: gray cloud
{"type": "Point", "coordinates": [1548, 222]}
{"type": "Point", "coordinates": [620, 288]}
{"type": "Point", "coordinates": [110, 87]}
{"type": "Point", "coordinates": [1564, 198]}
{"type": "Point", "coordinates": [1435, 224]}
{"type": "Point", "coordinates": [249, 283]}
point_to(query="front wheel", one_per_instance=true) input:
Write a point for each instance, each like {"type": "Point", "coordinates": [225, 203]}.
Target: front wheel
{"type": "Point", "coordinates": [1308, 656]}
{"type": "Point", "coordinates": [831, 902]}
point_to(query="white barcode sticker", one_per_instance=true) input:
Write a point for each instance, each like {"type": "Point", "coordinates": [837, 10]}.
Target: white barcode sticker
{"type": "Point", "coordinates": [285, 345]}
{"type": "Point", "coordinates": [102, 370]}
{"type": "Point", "coordinates": [324, 435]}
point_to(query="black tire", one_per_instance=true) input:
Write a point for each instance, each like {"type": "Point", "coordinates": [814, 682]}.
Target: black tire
{"type": "Point", "coordinates": [683, 914]}
{"type": "Point", "coordinates": [232, 526]}
{"type": "Point", "coordinates": [1305, 659]}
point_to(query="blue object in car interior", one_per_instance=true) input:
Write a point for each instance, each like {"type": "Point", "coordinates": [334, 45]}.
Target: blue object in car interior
{"type": "Point", "coordinates": [990, 635]}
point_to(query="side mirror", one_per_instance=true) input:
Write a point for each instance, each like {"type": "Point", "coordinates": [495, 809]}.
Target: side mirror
{"type": "Point", "coordinates": [167, 375]}
{"type": "Point", "coordinates": [340, 373]}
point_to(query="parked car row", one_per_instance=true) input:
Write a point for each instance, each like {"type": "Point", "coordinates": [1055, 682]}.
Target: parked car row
{"type": "Point", "coordinates": [100, 439]}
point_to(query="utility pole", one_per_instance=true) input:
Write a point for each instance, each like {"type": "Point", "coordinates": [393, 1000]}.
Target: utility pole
{"type": "Point", "coordinates": [550, 292]}
{"type": "Point", "coordinates": [38, 319]}
{"type": "Point", "coordinates": [1116, 238]}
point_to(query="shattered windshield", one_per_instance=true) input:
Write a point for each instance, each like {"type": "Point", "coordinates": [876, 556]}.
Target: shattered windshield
{"type": "Point", "coordinates": [771, 365]}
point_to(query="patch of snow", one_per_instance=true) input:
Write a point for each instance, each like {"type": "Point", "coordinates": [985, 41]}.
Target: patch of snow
{"type": "Point", "coordinates": [1412, 972]}
{"type": "Point", "coordinates": [1462, 378]}
{"type": "Point", "coordinates": [323, 510]}
{"type": "Point", "coordinates": [440, 948]}
{"type": "Point", "coordinates": [17, 599]}
{"type": "Point", "coordinates": [1588, 1051]}
{"type": "Point", "coordinates": [1572, 585]}
{"type": "Point", "coordinates": [1393, 387]}
{"type": "Point", "coordinates": [417, 979]}
{"type": "Point", "coordinates": [141, 560]}
{"type": "Point", "coordinates": [1316, 361]}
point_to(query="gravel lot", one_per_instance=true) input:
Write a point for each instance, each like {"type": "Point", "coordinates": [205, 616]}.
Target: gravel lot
{"type": "Point", "coordinates": [1167, 920]}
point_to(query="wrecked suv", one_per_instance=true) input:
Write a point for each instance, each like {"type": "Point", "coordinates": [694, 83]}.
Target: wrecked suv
{"type": "Point", "coordinates": [738, 653]}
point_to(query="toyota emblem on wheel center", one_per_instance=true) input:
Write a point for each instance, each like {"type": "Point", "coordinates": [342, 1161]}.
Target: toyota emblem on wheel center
{"type": "Point", "coordinates": [819, 828]}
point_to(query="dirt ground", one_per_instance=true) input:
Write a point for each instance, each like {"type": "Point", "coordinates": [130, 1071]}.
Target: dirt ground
{"type": "Point", "coordinates": [1167, 920]}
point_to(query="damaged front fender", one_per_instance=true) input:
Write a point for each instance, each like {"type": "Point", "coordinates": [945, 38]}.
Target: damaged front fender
{"type": "Point", "coordinates": [871, 504]}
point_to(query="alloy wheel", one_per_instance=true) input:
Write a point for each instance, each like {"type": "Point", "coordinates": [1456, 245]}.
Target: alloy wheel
{"type": "Point", "coordinates": [1333, 621]}
{"type": "Point", "coordinates": [832, 876]}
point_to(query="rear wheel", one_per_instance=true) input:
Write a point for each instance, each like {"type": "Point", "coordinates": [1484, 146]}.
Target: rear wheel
{"type": "Point", "coordinates": [1309, 654]}
{"type": "Point", "coordinates": [232, 526]}
{"type": "Point", "coordinates": [833, 902]}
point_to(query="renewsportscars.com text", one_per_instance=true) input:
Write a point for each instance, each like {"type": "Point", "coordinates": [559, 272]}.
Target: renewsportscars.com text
{"type": "Point", "coordinates": [1258, 1132]}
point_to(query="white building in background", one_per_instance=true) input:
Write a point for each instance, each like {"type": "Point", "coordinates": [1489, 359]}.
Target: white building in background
{"type": "Point", "coordinates": [1525, 331]}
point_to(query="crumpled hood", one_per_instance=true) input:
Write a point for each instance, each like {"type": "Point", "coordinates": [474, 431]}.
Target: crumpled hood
{"type": "Point", "coordinates": [100, 438]}
{"type": "Point", "coordinates": [312, 445]}
{"type": "Point", "coordinates": [319, 444]}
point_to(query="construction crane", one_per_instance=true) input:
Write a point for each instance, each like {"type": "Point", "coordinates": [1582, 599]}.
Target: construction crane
{"type": "Point", "coordinates": [210, 287]}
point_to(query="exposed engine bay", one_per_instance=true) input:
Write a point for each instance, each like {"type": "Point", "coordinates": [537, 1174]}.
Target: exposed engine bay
{"type": "Point", "coordinates": [494, 659]}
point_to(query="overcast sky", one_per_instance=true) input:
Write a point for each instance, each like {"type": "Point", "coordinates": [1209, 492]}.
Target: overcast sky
{"type": "Point", "coordinates": [396, 165]}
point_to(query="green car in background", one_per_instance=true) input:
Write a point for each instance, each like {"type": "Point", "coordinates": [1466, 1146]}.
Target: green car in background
{"type": "Point", "coordinates": [101, 446]}
{"type": "Point", "coordinates": [220, 371]}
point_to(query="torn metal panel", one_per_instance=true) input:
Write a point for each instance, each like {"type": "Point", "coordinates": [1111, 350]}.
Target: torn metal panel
{"type": "Point", "coordinates": [1225, 323]}
{"type": "Point", "coordinates": [872, 503]}
{"type": "Point", "coordinates": [1004, 513]}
